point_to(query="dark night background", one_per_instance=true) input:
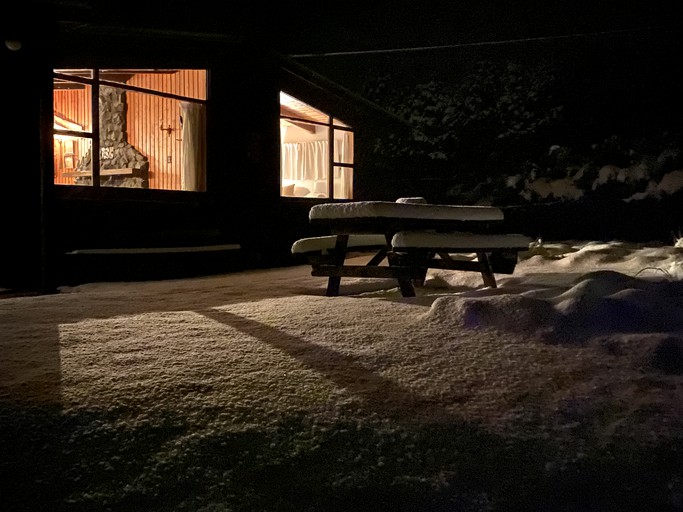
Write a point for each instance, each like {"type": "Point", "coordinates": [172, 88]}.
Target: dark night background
{"type": "Point", "coordinates": [488, 86]}
{"type": "Point", "coordinates": [492, 86]}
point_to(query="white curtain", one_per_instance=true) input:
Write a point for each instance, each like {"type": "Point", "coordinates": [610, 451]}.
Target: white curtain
{"type": "Point", "coordinates": [344, 149]}
{"type": "Point", "coordinates": [194, 150]}
{"type": "Point", "coordinates": [343, 176]}
{"type": "Point", "coordinates": [305, 160]}
{"type": "Point", "coordinates": [343, 183]}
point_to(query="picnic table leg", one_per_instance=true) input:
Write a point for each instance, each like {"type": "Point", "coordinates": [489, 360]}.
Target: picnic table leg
{"type": "Point", "coordinates": [421, 261]}
{"type": "Point", "coordinates": [486, 270]}
{"type": "Point", "coordinates": [405, 283]}
{"type": "Point", "coordinates": [334, 282]}
{"type": "Point", "coordinates": [406, 286]}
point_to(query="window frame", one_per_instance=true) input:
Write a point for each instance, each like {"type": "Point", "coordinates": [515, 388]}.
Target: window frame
{"type": "Point", "coordinates": [95, 82]}
{"type": "Point", "coordinates": [331, 127]}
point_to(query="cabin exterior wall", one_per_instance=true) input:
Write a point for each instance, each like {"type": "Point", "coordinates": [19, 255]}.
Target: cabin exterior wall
{"type": "Point", "coordinates": [242, 203]}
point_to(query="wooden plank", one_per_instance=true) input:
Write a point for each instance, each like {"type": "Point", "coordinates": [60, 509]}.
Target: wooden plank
{"type": "Point", "coordinates": [391, 225]}
{"type": "Point", "coordinates": [454, 264]}
{"type": "Point", "coordinates": [338, 256]}
{"type": "Point", "coordinates": [365, 271]}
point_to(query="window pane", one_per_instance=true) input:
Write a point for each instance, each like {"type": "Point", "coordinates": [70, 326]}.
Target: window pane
{"type": "Point", "coordinates": [147, 140]}
{"type": "Point", "coordinates": [343, 183]}
{"type": "Point", "coordinates": [304, 159]}
{"type": "Point", "coordinates": [343, 147]}
{"type": "Point", "coordinates": [150, 141]}
{"type": "Point", "coordinates": [72, 106]}
{"type": "Point", "coordinates": [306, 154]}
{"type": "Point", "coordinates": [81, 73]}
{"type": "Point", "coordinates": [72, 113]}
{"type": "Point", "coordinates": [72, 161]}
{"type": "Point", "coordinates": [294, 108]}
{"type": "Point", "coordinates": [304, 188]}
{"type": "Point", "coordinates": [154, 141]}
{"type": "Point", "coordinates": [190, 83]}
{"type": "Point", "coordinates": [122, 163]}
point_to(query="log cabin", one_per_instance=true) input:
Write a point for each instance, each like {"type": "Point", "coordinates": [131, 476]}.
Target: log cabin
{"type": "Point", "coordinates": [146, 153]}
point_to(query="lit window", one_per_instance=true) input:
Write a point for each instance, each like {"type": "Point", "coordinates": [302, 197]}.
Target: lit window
{"type": "Point", "coordinates": [316, 154]}
{"type": "Point", "coordinates": [149, 130]}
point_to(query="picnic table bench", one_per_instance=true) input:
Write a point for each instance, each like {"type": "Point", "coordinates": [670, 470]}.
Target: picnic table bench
{"type": "Point", "coordinates": [413, 237]}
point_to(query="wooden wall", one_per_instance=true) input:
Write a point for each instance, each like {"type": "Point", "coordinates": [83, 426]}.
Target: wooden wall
{"type": "Point", "coordinates": [154, 122]}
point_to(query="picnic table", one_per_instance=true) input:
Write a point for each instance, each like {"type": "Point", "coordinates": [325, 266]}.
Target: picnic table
{"type": "Point", "coordinates": [413, 236]}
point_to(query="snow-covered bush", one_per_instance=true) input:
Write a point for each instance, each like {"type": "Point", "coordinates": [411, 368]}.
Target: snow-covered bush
{"type": "Point", "coordinates": [499, 133]}
{"type": "Point", "coordinates": [492, 117]}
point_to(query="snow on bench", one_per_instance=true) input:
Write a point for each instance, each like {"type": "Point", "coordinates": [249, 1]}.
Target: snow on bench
{"type": "Point", "coordinates": [325, 243]}
{"type": "Point", "coordinates": [455, 242]}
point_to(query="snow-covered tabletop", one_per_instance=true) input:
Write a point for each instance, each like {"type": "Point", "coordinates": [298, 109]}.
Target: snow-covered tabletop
{"type": "Point", "coordinates": [389, 209]}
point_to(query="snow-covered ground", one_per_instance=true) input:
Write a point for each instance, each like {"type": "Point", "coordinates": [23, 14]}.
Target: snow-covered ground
{"type": "Point", "coordinates": [114, 391]}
